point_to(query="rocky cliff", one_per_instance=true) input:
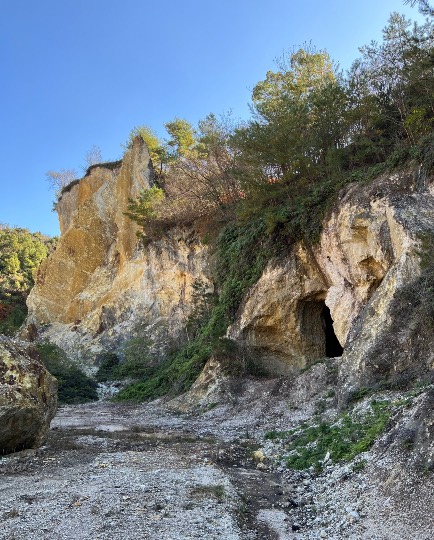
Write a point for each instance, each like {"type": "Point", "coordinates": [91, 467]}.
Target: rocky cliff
{"type": "Point", "coordinates": [343, 297]}
{"type": "Point", "coordinates": [101, 287]}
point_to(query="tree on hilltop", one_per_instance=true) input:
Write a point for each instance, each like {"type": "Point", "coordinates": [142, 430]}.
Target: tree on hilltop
{"type": "Point", "coordinates": [424, 6]}
{"type": "Point", "coordinates": [57, 180]}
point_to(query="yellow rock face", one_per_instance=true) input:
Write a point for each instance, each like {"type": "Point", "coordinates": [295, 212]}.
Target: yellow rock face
{"type": "Point", "coordinates": [100, 286]}
{"type": "Point", "coordinates": [368, 251]}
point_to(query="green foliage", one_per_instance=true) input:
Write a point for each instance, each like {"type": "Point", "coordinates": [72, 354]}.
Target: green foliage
{"type": "Point", "coordinates": [206, 491]}
{"type": "Point", "coordinates": [274, 435]}
{"type": "Point", "coordinates": [108, 363]}
{"type": "Point", "coordinates": [390, 90]}
{"type": "Point", "coordinates": [242, 252]}
{"type": "Point", "coordinates": [21, 252]}
{"type": "Point", "coordinates": [73, 385]}
{"type": "Point", "coordinates": [12, 315]}
{"type": "Point", "coordinates": [176, 374]}
{"type": "Point", "coordinates": [145, 209]}
{"type": "Point", "coordinates": [312, 131]}
{"type": "Point", "coordinates": [349, 436]}
{"type": "Point", "coordinates": [360, 393]}
{"type": "Point", "coordinates": [298, 117]}
{"type": "Point", "coordinates": [182, 136]}
{"type": "Point", "coordinates": [137, 362]}
{"type": "Point", "coordinates": [138, 359]}
{"type": "Point", "coordinates": [241, 255]}
{"type": "Point", "coordinates": [424, 6]}
{"type": "Point", "coordinates": [157, 149]}
{"type": "Point", "coordinates": [201, 305]}
{"type": "Point", "coordinates": [359, 465]}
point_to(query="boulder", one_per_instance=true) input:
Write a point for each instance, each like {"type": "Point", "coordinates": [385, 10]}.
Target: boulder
{"type": "Point", "coordinates": [28, 398]}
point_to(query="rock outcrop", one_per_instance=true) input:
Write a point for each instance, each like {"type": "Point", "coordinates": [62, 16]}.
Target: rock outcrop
{"type": "Point", "coordinates": [28, 399]}
{"type": "Point", "coordinates": [345, 291]}
{"type": "Point", "coordinates": [101, 287]}
{"type": "Point", "coordinates": [342, 297]}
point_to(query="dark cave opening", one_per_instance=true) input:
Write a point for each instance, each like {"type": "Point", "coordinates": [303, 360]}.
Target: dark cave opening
{"type": "Point", "coordinates": [332, 346]}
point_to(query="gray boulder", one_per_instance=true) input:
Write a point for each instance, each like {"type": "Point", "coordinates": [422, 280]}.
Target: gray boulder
{"type": "Point", "coordinates": [28, 398]}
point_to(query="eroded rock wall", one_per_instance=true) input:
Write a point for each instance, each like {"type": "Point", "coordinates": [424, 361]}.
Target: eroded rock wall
{"type": "Point", "coordinates": [370, 249]}
{"type": "Point", "coordinates": [101, 287]}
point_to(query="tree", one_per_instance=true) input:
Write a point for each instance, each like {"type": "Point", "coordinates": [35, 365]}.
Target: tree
{"type": "Point", "coordinates": [182, 136]}
{"type": "Point", "coordinates": [93, 157]}
{"type": "Point", "coordinates": [57, 180]}
{"type": "Point", "coordinates": [145, 210]}
{"type": "Point", "coordinates": [297, 117]}
{"type": "Point", "coordinates": [158, 151]}
{"type": "Point", "coordinates": [20, 255]}
{"type": "Point", "coordinates": [202, 175]}
{"type": "Point", "coordinates": [424, 6]}
{"type": "Point", "coordinates": [390, 87]}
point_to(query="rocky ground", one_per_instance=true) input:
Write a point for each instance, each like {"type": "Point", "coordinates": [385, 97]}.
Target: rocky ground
{"type": "Point", "coordinates": [113, 471]}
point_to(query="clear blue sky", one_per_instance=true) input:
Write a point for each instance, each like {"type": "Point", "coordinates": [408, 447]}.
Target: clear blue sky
{"type": "Point", "coordinates": [74, 73]}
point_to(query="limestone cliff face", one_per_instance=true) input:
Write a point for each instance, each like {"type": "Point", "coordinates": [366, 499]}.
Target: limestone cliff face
{"type": "Point", "coordinates": [338, 298]}
{"type": "Point", "coordinates": [369, 250]}
{"type": "Point", "coordinates": [100, 287]}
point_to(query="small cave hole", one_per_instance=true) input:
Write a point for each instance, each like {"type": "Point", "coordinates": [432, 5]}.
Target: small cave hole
{"type": "Point", "coordinates": [332, 346]}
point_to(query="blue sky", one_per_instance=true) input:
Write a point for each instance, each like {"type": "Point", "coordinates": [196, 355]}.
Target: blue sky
{"type": "Point", "coordinates": [77, 73]}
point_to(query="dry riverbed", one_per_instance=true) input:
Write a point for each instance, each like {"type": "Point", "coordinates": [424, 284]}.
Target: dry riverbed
{"type": "Point", "coordinates": [111, 471]}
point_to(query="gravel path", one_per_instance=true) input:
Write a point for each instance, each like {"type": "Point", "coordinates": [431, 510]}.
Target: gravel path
{"type": "Point", "coordinates": [112, 471]}
{"type": "Point", "coordinates": [107, 472]}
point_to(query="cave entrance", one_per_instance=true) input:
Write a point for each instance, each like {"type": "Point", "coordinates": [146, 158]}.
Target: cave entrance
{"type": "Point", "coordinates": [318, 338]}
{"type": "Point", "coordinates": [332, 346]}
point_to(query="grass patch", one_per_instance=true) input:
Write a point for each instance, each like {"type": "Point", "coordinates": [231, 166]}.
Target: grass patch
{"type": "Point", "coordinates": [352, 434]}
{"type": "Point", "coordinates": [202, 492]}
{"type": "Point", "coordinates": [274, 435]}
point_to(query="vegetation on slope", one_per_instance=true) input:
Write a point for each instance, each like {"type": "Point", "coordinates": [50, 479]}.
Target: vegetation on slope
{"type": "Point", "coordinates": [73, 385]}
{"type": "Point", "coordinates": [21, 252]}
{"type": "Point", "coordinates": [269, 181]}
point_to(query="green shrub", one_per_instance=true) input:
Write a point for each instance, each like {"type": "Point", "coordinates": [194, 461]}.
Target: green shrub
{"type": "Point", "coordinates": [137, 362]}
{"type": "Point", "coordinates": [176, 374]}
{"type": "Point", "coordinates": [352, 434]}
{"type": "Point", "coordinates": [12, 315]}
{"type": "Point", "coordinates": [108, 362]}
{"type": "Point", "coordinates": [73, 385]}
